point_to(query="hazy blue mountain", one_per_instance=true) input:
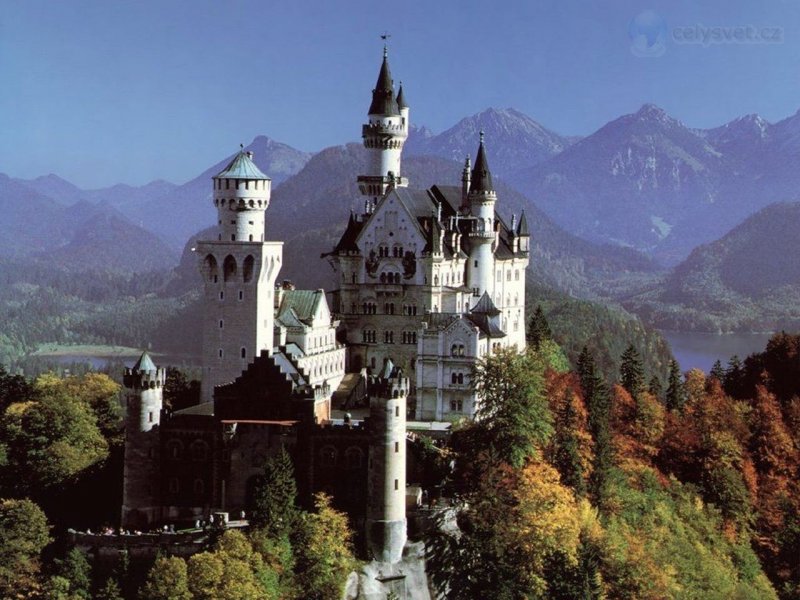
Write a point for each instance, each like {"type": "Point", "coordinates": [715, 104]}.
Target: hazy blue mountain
{"type": "Point", "coordinates": [188, 208]}
{"type": "Point", "coordinates": [749, 279]}
{"type": "Point", "coordinates": [54, 187]}
{"type": "Point", "coordinates": [514, 140]}
{"type": "Point", "coordinates": [20, 205]}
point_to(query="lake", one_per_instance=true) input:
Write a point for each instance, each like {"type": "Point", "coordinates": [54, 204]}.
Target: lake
{"type": "Point", "coordinates": [699, 350]}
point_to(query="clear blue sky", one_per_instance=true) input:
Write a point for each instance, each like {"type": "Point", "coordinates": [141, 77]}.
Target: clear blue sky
{"type": "Point", "coordinates": [105, 91]}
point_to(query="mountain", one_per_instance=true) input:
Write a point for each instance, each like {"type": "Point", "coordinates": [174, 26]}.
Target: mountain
{"type": "Point", "coordinates": [54, 187]}
{"type": "Point", "coordinates": [188, 208]}
{"type": "Point", "coordinates": [749, 279]}
{"type": "Point", "coordinates": [81, 236]}
{"type": "Point", "coordinates": [310, 210]}
{"type": "Point", "coordinates": [129, 198]}
{"type": "Point", "coordinates": [515, 140]}
{"type": "Point", "coordinates": [632, 182]}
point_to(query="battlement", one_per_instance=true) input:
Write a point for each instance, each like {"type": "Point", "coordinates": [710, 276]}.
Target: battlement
{"type": "Point", "coordinates": [394, 387]}
{"type": "Point", "coordinates": [136, 380]}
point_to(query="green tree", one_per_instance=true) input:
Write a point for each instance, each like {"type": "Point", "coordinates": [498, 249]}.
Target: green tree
{"type": "Point", "coordinates": [631, 371]}
{"type": "Point", "coordinates": [566, 456]}
{"type": "Point", "coordinates": [733, 382]}
{"type": "Point", "coordinates": [324, 551]}
{"type": "Point", "coordinates": [598, 406]}
{"type": "Point", "coordinates": [655, 387]}
{"type": "Point", "coordinates": [513, 415]}
{"type": "Point", "coordinates": [167, 580]}
{"type": "Point", "coordinates": [717, 371]}
{"type": "Point", "coordinates": [538, 328]}
{"type": "Point", "coordinates": [110, 590]}
{"type": "Point", "coordinates": [676, 396]}
{"type": "Point", "coordinates": [274, 497]}
{"type": "Point", "coordinates": [24, 533]}
{"type": "Point", "coordinates": [77, 571]}
{"type": "Point", "coordinates": [13, 388]}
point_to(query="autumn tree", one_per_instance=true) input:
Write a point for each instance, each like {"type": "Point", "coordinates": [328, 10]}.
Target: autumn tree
{"type": "Point", "coordinates": [655, 387]}
{"type": "Point", "coordinates": [323, 551]}
{"type": "Point", "coordinates": [167, 580]}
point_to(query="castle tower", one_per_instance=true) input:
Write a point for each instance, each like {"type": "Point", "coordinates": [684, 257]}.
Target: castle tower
{"type": "Point", "coordinates": [481, 199]}
{"type": "Point", "coordinates": [386, 483]}
{"type": "Point", "coordinates": [144, 386]}
{"type": "Point", "coordinates": [239, 270]}
{"type": "Point", "coordinates": [384, 136]}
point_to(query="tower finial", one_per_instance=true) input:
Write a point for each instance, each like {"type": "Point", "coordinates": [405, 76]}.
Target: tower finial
{"type": "Point", "coordinates": [385, 37]}
{"type": "Point", "coordinates": [241, 146]}
{"type": "Point", "coordinates": [481, 133]}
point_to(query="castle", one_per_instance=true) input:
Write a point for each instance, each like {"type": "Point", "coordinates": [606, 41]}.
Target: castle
{"type": "Point", "coordinates": [428, 282]}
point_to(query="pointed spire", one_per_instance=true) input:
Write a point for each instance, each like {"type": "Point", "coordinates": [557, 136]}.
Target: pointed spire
{"type": "Point", "coordinates": [383, 100]}
{"type": "Point", "coordinates": [401, 99]}
{"type": "Point", "coordinates": [145, 363]}
{"type": "Point", "coordinates": [523, 225]}
{"type": "Point", "coordinates": [481, 176]}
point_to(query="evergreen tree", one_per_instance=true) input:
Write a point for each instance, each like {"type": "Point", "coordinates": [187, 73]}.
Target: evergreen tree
{"type": "Point", "coordinates": [631, 371]}
{"type": "Point", "coordinates": [538, 328]}
{"type": "Point", "coordinates": [655, 387]}
{"type": "Point", "coordinates": [274, 498]}
{"type": "Point", "coordinates": [733, 381]}
{"type": "Point", "coordinates": [598, 406]}
{"type": "Point", "coordinates": [77, 571]}
{"type": "Point", "coordinates": [675, 393]}
{"type": "Point", "coordinates": [567, 458]}
{"type": "Point", "coordinates": [717, 371]}
{"type": "Point", "coordinates": [109, 591]}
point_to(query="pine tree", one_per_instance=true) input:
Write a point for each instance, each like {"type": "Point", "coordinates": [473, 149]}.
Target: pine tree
{"type": "Point", "coordinates": [275, 495]}
{"type": "Point", "coordinates": [631, 371]}
{"type": "Point", "coordinates": [538, 328]}
{"type": "Point", "coordinates": [717, 371]}
{"type": "Point", "coordinates": [655, 387]}
{"type": "Point", "coordinates": [734, 377]}
{"type": "Point", "coordinates": [567, 458]}
{"type": "Point", "coordinates": [675, 394]}
{"type": "Point", "coordinates": [598, 405]}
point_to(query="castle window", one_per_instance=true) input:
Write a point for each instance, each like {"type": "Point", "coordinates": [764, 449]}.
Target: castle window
{"type": "Point", "coordinates": [174, 449]}
{"type": "Point", "coordinates": [229, 268]}
{"type": "Point", "coordinates": [460, 379]}
{"type": "Point", "coordinates": [220, 352]}
{"type": "Point", "coordinates": [516, 275]}
{"type": "Point", "coordinates": [248, 266]}
{"type": "Point", "coordinates": [396, 411]}
{"type": "Point", "coordinates": [396, 484]}
{"type": "Point", "coordinates": [221, 324]}
{"type": "Point", "coordinates": [328, 456]}
{"type": "Point", "coordinates": [453, 378]}
{"type": "Point", "coordinates": [354, 457]}
{"type": "Point", "coordinates": [354, 277]}
{"type": "Point", "coordinates": [244, 352]}
{"type": "Point", "coordinates": [388, 337]}
{"type": "Point", "coordinates": [241, 295]}
{"type": "Point", "coordinates": [251, 237]}
{"type": "Point", "coordinates": [397, 447]}
{"type": "Point", "coordinates": [476, 263]}
{"type": "Point", "coordinates": [150, 417]}
{"type": "Point", "coordinates": [211, 269]}
{"type": "Point", "coordinates": [199, 450]}
{"type": "Point", "coordinates": [233, 237]}
{"type": "Point", "coordinates": [457, 405]}
{"type": "Point", "coordinates": [222, 295]}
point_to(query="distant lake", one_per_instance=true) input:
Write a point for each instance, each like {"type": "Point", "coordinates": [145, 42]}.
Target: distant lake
{"type": "Point", "coordinates": [699, 350]}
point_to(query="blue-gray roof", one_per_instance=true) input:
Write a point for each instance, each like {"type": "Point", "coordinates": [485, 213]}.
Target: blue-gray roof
{"type": "Point", "coordinates": [145, 363]}
{"type": "Point", "coordinates": [241, 167]}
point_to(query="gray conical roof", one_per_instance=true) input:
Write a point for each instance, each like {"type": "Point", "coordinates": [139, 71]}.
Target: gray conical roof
{"type": "Point", "coordinates": [145, 363]}
{"type": "Point", "coordinates": [401, 99]}
{"type": "Point", "coordinates": [383, 100]}
{"type": "Point", "coordinates": [522, 229]}
{"type": "Point", "coordinates": [388, 369]}
{"type": "Point", "coordinates": [241, 167]}
{"type": "Point", "coordinates": [481, 180]}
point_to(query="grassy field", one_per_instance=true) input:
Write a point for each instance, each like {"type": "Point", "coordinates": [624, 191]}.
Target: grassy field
{"type": "Point", "coordinates": [87, 350]}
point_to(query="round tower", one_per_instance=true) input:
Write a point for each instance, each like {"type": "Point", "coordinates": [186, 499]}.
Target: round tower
{"type": "Point", "coordinates": [481, 199]}
{"type": "Point", "coordinates": [144, 389]}
{"type": "Point", "coordinates": [386, 483]}
{"type": "Point", "coordinates": [239, 270]}
{"type": "Point", "coordinates": [384, 135]}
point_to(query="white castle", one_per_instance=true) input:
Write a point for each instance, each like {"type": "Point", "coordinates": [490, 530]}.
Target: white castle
{"type": "Point", "coordinates": [432, 279]}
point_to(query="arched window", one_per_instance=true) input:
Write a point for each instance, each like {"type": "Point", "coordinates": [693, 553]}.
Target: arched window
{"type": "Point", "coordinates": [174, 449]}
{"type": "Point", "coordinates": [244, 352]}
{"type": "Point", "coordinates": [327, 456]}
{"type": "Point", "coordinates": [229, 268]}
{"type": "Point", "coordinates": [453, 378]}
{"type": "Point", "coordinates": [354, 457]}
{"type": "Point", "coordinates": [211, 268]}
{"type": "Point", "coordinates": [460, 378]}
{"type": "Point", "coordinates": [247, 267]}
{"type": "Point", "coordinates": [199, 450]}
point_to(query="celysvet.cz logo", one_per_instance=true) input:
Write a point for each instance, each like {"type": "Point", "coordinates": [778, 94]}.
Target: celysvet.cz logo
{"type": "Point", "coordinates": [649, 34]}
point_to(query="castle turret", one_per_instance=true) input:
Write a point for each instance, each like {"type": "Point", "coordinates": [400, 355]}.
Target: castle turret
{"type": "Point", "coordinates": [386, 484]}
{"type": "Point", "coordinates": [239, 271]}
{"type": "Point", "coordinates": [465, 178]}
{"type": "Point", "coordinates": [144, 387]}
{"type": "Point", "coordinates": [481, 199]}
{"type": "Point", "coordinates": [523, 234]}
{"type": "Point", "coordinates": [384, 136]}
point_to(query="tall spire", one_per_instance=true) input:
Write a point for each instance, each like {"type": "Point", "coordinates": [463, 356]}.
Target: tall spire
{"type": "Point", "coordinates": [383, 100]}
{"type": "Point", "coordinates": [401, 99]}
{"type": "Point", "coordinates": [481, 176]}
